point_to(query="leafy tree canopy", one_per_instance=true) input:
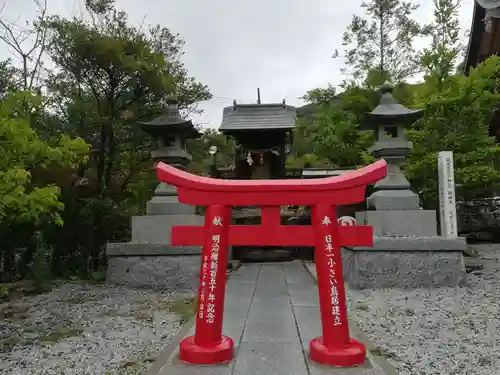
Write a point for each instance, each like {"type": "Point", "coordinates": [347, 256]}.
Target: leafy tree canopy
{"type": "Point", "coordinates": [22, 153]}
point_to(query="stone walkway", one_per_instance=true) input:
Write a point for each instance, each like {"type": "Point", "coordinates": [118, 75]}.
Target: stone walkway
{"type": "Point", "coordinates": [271, 312]}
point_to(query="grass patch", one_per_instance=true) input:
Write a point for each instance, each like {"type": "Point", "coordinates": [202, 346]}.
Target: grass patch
{"type": "Point", "coordinates": [14, 311]}
{"type": "Point", "coordinates": [471, 252]}
{"type": "Point", "coordinates": [145, 315]}
{"type": "Point", "coordinates": [79, 299]}
{"type": "Point", "coordinates": [131, 363]}
{"type": "Point", "coordinates": [74, 300]}
{"type": "Point", "coordinates": [382, 353]}
{"type": "Point", "coordinates": [8, 342]}
{"type": "Point", "coordinates": [19, 289]}
{"type": "Point", "coordinates": [363, 307]}
{"type": "Point", "coordinates": [61, 334]}
{"type": "Point", "coordinates": [136, 363]}
{"type": "Point", "coordinates": [111, 312]}
{"type": "Point", "coordinates": [185, 308]}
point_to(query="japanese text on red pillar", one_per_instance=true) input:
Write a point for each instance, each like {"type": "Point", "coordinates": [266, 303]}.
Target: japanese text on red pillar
{"type": "Point", "coordinates": [212, 284]}
{"type": "Point", "coordinates": [334, 295]}
{"type": "Point", "coordinates": [203, 287]}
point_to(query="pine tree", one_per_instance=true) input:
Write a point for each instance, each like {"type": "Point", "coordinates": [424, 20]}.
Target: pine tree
{"type": "Point", "coordinates": [440, 59]}
{"type": "Point", "coordinates": [379, 45]}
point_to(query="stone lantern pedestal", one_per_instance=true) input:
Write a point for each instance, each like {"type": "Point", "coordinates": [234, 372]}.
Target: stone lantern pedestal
{"type": "Point", "coordinates": [149, 259]}
{"type": "Point", "coordinates": [407, 253]}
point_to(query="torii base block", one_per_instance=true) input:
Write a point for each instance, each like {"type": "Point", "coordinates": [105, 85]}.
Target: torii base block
{"type": "Point", "coordinates": [221, 352]}
{"type": "Point", "coordinates": [352, 354]}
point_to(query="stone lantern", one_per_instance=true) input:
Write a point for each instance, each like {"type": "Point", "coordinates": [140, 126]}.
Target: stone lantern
{"type": "Point", "coordinates": [389, 120]}
{"type": "Point", "coordinates": [149, 259]}
{"type": "Point", "coordinates": [394, 209]}
{"type": "Point", "coordinates": [171, 132]}
{"type": "Point", "coordinates": [407, 252]}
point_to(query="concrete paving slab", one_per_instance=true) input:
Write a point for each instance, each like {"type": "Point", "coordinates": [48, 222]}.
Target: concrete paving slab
{"type": "Point", "coordinates": [292, 265]}
{"type": "Point", "coordinates": [271, 294]}
{"type": "Point", "coordinates": [365, 369]}
{"type": "Point", "coordinates": [276, 286]}
{"type": "Point", "coordinates": [304, 298]}
{"type": "Point", "coordinates": [239, 297]}
{"type": "Point", "coordinates": [245, 273]}
{"type": "Point", "coordinates": [302, 292]}
{"type": "Point", "coordinates": [233, 330]}
{"type": "Point", "coordinates": [296, 278]}
{"type": "Point", "coordinates": [308, 323]}
{"type": "Point", "coordinates": [234, 321]}
{"type": "Point", "coordinates": [270, 359]}
{"type": "Point", "coordinates": [278, 326]}
{"type": "Point", "coordinates": [271, 274]}
{"type": "Point", "coordinates": [237, 304]}
{"type": "Point", "coordinates": [271, 320]}
{"type": "Point", "coordinates": [266, 304]}
{"type": "Point", "coordinates": [177, 367]}
{"type": "Point", "coordinates": [240, 290]}
{"type": "Point", "coordinates": [267, 288]}
{"type": "Point", "coordinates": [295, 273]}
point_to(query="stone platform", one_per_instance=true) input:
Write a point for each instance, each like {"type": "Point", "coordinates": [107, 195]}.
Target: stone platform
{"type": "Point", "coordinates": [406, 262]}
{"type": "Point", "coordinates": [149, 260]}
{"type": "Point", "coordinates": [155, 266]}
{"type": "Point", "coordinates": [271, 313]}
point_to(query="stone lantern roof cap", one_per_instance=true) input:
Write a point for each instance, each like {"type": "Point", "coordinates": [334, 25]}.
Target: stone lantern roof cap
{"type": "Point", "coordinates": [389, 111]}
{"type": "Point", "coordinates": [170, 122]}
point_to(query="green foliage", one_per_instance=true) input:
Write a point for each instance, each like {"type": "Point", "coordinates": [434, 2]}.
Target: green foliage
{"type": "Point", "coordinates": [199, 150]}
{"type": "Point", "coordinates": [458, 112]}
{"type": "Point", "coordinates": [22, 152]}
{"type": "Point", "coordinates": [40, 267]}
{"type": "Point", "coordinates": [111, 75]}
{"type": "Point", "coordinates": [379, 45]}
{"type": "Point", "coordinates": [458, 119]}
{"type": "Point", "coordinates": [28, 204]}
{"type": "Point", "coordinates": [107, 76]}
{"type": "Point", "coordinates": [320, 96]}
{"type": "Point", "coordinates": [440, 58]}
{"type": "Point", "coordinates": [334, 131]}
{"type": "Point", "coordinates": [337, 139]}
{"type": "Point", "coordinates": [308, 160]}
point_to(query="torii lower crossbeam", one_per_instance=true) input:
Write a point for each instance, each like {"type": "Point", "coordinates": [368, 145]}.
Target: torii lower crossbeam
{"type": "Point", "coordinates": [283, 235]}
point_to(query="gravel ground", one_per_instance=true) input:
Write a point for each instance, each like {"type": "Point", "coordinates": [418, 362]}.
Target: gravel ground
{"type": "Point", "coordinates": [446, 331]}
{"type": "Point", "coordinates": [87, 330]}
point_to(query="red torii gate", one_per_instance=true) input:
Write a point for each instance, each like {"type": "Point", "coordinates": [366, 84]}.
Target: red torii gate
{"type": "Point", "coordinates": [208, 345]}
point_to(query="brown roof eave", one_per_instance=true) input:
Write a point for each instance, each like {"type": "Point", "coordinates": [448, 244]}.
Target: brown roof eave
{"type": "Point", "coordinates": [476, 34]}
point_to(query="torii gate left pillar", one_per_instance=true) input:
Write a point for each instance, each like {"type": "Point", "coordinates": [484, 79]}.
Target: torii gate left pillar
{"type": "Point", "coordinates": [208, 345]}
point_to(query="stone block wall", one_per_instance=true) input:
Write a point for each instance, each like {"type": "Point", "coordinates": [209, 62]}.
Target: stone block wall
{"type": "Point", "coordinates": [479, 219]}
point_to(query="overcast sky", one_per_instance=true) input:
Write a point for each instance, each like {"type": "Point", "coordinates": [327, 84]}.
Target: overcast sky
{"type": "Point", "coordinates": [282, 46]}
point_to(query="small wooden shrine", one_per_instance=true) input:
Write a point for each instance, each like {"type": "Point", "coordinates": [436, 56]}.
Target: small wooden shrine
{"type": "Point", "coordinates": [263, 133]}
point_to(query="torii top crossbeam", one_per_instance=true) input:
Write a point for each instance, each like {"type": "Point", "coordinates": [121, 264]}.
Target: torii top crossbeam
{"type": "Point", "coordinates": [348, 188]}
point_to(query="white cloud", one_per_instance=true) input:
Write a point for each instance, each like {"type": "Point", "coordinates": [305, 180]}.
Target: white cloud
{"type": "Point", "coordinates": [282, 46]}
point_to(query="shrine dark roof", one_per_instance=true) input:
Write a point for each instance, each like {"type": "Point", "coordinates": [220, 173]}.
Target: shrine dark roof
{"type": "Point", "coordinates": [258, 117]}
{"type": "Point", "coordinates": [477, 32]}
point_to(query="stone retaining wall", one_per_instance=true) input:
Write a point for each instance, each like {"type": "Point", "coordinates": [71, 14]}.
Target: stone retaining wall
{"type": "Point", "coordinates": [479, 218]}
